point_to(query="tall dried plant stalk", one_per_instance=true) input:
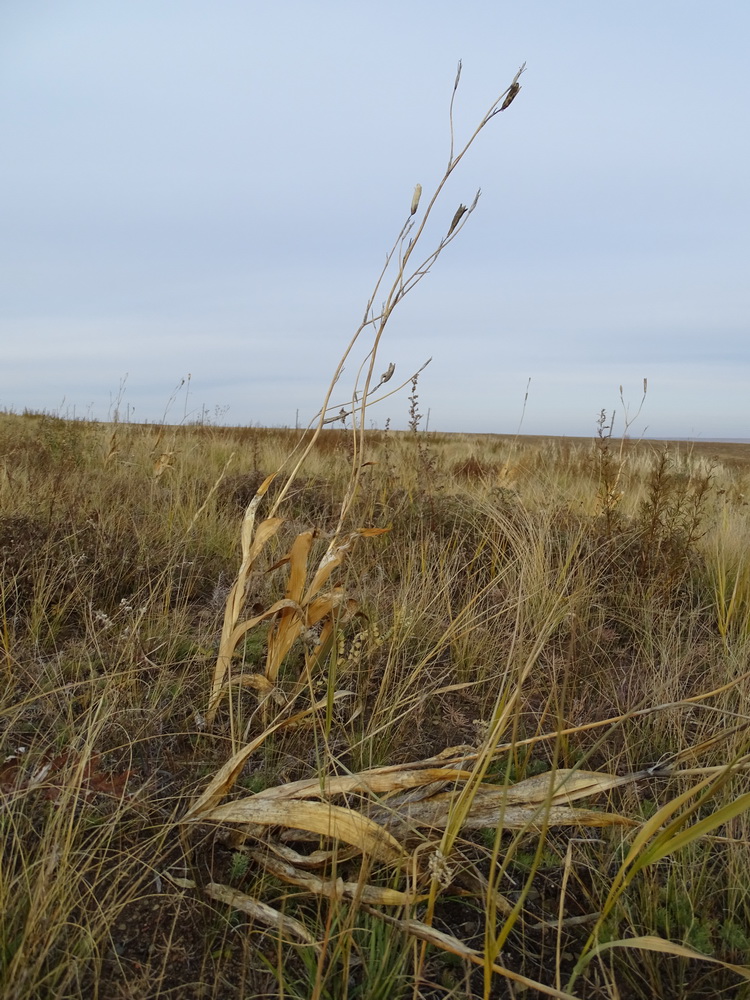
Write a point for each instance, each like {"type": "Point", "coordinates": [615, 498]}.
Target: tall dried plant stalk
{"type": "Point", "coordinates": [398, 277]}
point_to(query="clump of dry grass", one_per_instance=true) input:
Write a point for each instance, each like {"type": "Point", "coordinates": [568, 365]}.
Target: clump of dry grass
{"type": "Point", "coordinates": [469, 591]}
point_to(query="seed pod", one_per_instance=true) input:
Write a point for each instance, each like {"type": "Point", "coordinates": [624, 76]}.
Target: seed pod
{"type": "Point", "coordinates": [512, 91]}
{"type": "Point", "coordinates": [415, 199]}
{"type": "Point", "coordinates": [458, 77]}
{"type": "Point", "coordinates": [460, 212]}
{"type": "Point", "coordinates": [388, 373]}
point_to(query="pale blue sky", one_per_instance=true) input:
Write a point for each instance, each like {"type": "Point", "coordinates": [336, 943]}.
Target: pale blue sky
{"type": "Point", "coordinates": [211, 188]}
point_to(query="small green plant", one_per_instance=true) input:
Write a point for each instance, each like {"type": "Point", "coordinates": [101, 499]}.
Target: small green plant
{"type": "Point", "coordinates": [238, 867]}
{"type": "Point", "coordinates": [363, 958]}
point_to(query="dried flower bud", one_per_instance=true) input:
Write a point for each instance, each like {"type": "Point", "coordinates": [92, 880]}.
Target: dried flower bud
{"type": "Point", "coordinates": [512, 91]}
{"type": "Point", "coordinates": [415, 198]}
{"type": "Point", "coordinates": [460, 212]}
{"type": "Point", "coordinates": [388, 373]}
{"type": "Point", "coordinates": [458, 77]}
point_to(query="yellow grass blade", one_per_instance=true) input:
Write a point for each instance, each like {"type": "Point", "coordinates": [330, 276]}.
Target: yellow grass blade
{"type": "Point", "coordinates": [446, 942]}
{"type": "Point", "coordinates": [224, 779]}
{"type": "Point", "coordinates": [679, 840]}
{"type": "Point", "coordinates": [652, 825]}
{"type": "Point", "coordinates": [650, 943]}
{"type": "Point", "coordinates": [664, 841]}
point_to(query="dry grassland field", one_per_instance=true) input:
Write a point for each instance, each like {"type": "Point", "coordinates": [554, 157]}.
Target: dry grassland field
{"type": "Point", "coordinates": [363, 715]}
{"type": "Point", "coordinates": [487, 736]}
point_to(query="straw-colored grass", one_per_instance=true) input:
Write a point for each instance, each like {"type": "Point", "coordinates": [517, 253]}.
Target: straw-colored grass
{"type": "Point", "coordinates": [501, 632]}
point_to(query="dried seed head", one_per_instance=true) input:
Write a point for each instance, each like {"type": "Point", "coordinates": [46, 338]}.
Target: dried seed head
{"type": "Point", "coordinates": [458, 76]}
{"type": "Point", "coordinates": [388, 373]}
{"type": "Point", "coordinates": [645, 386]}
{"type": "Point", "coordinates": [460, 212]}
{"type": "Point", "coordinates": [440, 869]}
{"type": "Point", "coordinates": [510, 97]}
{"type": "Point", "coordinates": [415, 198]}
{"type": "Point", "coordinates": [310, 638]}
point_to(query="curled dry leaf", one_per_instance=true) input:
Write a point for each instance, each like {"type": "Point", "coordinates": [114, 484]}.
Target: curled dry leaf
{"type": "Point", "coordinates": [253, 544]}
{"type": "Point", "coordinates": [259, 682]}
{"type": "Point", "coordinates": [335, 556]}
{"type": "Point", "coordinates": [565, 786]}
{"type": "Point", "coordinates": [393, 803]}
{"type": "Point", "coordinates": [245, 626]}
{"type": "Point", "coordinates": [377, 781]}
{"type": "Point", "coordinates": [488, 810]}
{"type": "Point", "coordinates": [321, 818]}
{"type": "Point", "coordinates": [334, 888]}
{"type": "Point", "coordinates": [418, 798]}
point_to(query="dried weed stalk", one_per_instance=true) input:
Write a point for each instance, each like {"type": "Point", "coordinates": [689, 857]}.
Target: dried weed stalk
{"type": "Point", "coordinates": [316, 603]}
